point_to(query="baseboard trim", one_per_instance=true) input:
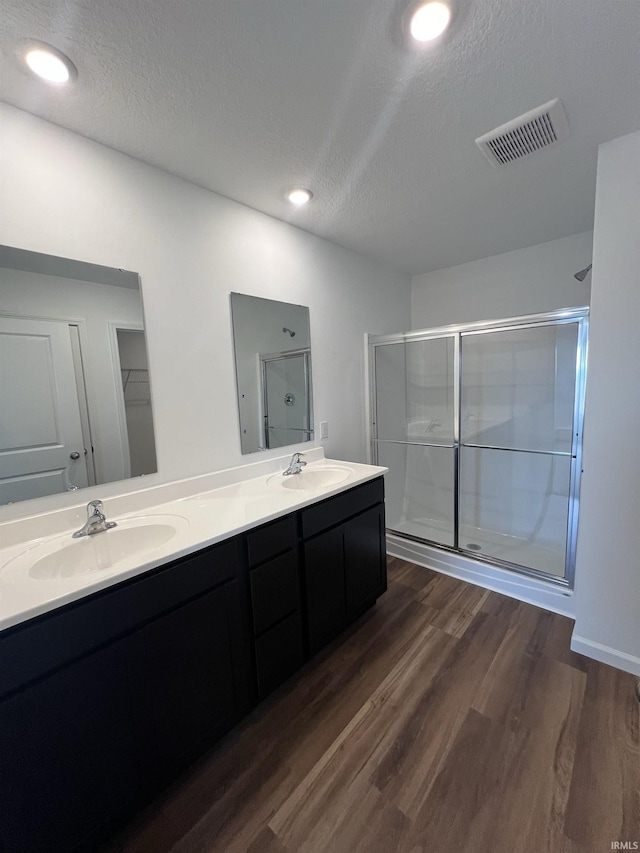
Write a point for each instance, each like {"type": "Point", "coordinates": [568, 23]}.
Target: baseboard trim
{"type": "Point", "coordinates": [605, 654]}
{"type": "Point", "coordinates": [529, 590]}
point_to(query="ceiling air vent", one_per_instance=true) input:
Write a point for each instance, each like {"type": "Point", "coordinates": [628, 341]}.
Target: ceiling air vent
{"type": "Point", "coordinates": [526, 134]}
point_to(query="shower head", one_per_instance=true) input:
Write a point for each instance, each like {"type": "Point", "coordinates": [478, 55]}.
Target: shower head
{"type": "Point", "coordinates": [284, 329]}
{"type": "Point", "coordinates": [580, 276]}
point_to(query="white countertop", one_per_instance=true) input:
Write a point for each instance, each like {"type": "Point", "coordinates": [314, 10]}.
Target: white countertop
{"type": "Point", "coordinates": [203, 510]}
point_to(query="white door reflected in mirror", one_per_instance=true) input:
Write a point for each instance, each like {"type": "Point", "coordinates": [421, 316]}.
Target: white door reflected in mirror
{"type": "Point", "coordinates": [75, 405]}
{"type": "Point", "coordinates": [41, 445]}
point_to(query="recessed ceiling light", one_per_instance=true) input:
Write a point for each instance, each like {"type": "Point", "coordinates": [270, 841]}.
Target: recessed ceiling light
{"type": "Point", "coordinates": [430, 21]}
{"type": "Point", "coordinates": [47, 62]}
{"type": "Point", "coordinates": [299, 196]}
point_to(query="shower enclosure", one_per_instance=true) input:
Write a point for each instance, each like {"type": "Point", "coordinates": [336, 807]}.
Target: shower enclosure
{"type": "Point", "coordinates": [480, 426]}
{"type": "Point", "coordinates": [286, 398]}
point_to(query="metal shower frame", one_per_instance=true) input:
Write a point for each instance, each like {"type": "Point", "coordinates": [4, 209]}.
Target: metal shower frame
{"type": "Point", "coordinates": [457, 332]}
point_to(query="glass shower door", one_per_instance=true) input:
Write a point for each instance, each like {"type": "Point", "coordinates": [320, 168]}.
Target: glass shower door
{"type": "Point", "coordinates": [516, 434]}
{"type": "Point", "coordinates": [286, 399]}
{"type": "Point", "coordinates": [415, 435]}
{"type": "Point", "coordinates": [480, 426]}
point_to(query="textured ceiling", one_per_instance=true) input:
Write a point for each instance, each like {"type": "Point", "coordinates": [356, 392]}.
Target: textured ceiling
{"type": "Point", "coordinates": [249, 97]}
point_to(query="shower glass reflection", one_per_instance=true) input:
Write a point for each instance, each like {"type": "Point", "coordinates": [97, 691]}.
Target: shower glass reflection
{"type": "Point", "coordinates": [272, 347]}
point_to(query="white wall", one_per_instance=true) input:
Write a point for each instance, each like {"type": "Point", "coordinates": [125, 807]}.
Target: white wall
{"type": "Point", "coordinates": [527, 281]}
{"type": "Point", "coordinates": [608, 578]}
{"type": "Point", "coordinates": [63, 194]}
{"type": "Point", "coordinates": [94, 307]}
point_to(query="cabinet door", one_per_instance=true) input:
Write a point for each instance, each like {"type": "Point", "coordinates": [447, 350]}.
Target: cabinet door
{"type": "Point", "coordinates": [184, 672]}
{"type": "Point", "coordinates": [365, 560]}
{"type": "Point", "coordinates": [67, 755]}
{"type": "Point", "coordinates": [278, 654]}
{"type": "Point", "coordinates": [325, 587]}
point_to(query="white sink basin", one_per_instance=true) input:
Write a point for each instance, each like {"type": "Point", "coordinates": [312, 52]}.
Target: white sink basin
{"type": "Point", "coordinates": [64, 557]}
{"type": "Point", "coordinates": [313, 478]}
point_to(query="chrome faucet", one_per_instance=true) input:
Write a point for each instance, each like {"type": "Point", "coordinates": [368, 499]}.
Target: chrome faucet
{"type": "Point", "coordinates": [296, 465]}
{"type": "Point", "coordinates": [96, 521]}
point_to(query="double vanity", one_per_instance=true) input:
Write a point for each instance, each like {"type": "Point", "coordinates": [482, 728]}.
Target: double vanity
{"type": "Point", "coordinates": [126, 653]}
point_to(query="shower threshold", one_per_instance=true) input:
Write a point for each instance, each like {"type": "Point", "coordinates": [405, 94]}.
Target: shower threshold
{"type": "Point", "coordinates": [512, 552]}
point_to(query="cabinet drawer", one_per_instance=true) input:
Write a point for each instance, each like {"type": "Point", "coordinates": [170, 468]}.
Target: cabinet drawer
{"type": "Point", "coordinates": [274, 591]}
{"type": "Point", "coordinates": [335, 510]}
{"type": "Point", "coordinates": [278, 654]}
{"type": "Point", "coordinates": [272, 539]}
{"type": "Point", "coordinates": [30, 651]}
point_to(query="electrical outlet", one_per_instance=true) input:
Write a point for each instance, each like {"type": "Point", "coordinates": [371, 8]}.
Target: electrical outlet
{"type": "Point", "coordinates": [324, 429]}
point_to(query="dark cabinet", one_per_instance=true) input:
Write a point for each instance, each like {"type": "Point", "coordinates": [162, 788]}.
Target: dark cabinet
{"type": "Point", "coordinates": [275, 602]}
{"type": "Point", "coordinates": [365, 559]}
{"type": "Point", "coordinates": [278, 654]}
{"type": "Point", "coordinates": [324, 573]}
{"type": "Point", "coordinates": [344, 565]}
{"type": "Point", "coordinates": [274, 590]}
{"type": "Point", "coordinates": [146, 675]}
{"type": "Point", "coordinates": [104, 700]}
{"type": "Point", "coordinates": [183, 680]}
{"type": "Point", "coordinates": [190, 669]}
{"type": "Point", "coordinates": [68, 756]}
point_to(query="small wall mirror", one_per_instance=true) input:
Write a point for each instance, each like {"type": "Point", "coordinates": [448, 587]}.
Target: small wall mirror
{"type": "Point", "coordinates": [75, 402]}
{"type": "Point", "coordinates": [272, 347]}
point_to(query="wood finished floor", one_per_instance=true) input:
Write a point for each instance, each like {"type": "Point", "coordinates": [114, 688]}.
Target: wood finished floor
{"type": "Point", "coordinates": [449, 718]}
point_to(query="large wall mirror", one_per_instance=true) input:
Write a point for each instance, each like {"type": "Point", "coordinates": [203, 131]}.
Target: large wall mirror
{"type": "Point", "coordinates": [272, 346]}
{"type": "Point", "coordinates": [75, 402]}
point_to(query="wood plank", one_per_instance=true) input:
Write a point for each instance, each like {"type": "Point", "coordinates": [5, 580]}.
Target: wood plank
{"type": "Point", "coordinates": [463, 810]}
{"type": "Point", "coordinates": [343, 762]}
{"type": "Point", "coordinates": [542, 706]}
{"type": "Point", "coordinates": [423, 738]}
{"type": "Point", "coordinates": [408, 574]}
{"type": "Point", "coordinates": [447, 718]}
{"type": "Point", "coordinates": [461, 608]}
{"type": "Point", "coordinates": [604, 800]}
{"type": "Point", "coordinates": [266, 842]}
{"type": "Point", "coordinates": [558, 643]}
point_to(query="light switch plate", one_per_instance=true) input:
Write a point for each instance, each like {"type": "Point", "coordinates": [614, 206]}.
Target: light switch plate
{"type": "Point", "coordinates": [324, 429]}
